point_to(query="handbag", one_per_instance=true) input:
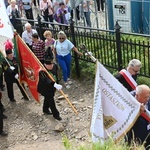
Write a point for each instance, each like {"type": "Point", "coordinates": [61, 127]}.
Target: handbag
{"type": "Point", "coordinates": [15, 14]}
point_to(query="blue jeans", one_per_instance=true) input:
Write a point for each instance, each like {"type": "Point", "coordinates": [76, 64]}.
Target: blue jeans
{"type": "Point", "coordinates": [87, 18]}
{"type": "Point", "coordinates": [65, 64]}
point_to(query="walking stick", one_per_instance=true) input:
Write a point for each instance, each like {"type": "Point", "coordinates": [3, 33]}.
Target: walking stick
{"type": "Point", "coordinates": [16, 79]}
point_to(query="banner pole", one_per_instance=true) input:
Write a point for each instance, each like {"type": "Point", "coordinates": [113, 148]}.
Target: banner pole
{"type": "Point", "coordinates": [51, 78]}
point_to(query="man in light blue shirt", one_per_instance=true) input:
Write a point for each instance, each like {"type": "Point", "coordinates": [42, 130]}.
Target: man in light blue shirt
{"type": "Point", "coordinates": [27, 34]}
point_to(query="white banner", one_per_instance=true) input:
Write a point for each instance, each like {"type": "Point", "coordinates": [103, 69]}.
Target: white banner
{"type": "Point", "coordinates": [114, 110]}
{"type": "Point", "coordinates": [6, 31]}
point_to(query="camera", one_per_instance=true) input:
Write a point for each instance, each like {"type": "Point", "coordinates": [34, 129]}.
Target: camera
{"type": "Point", "coordinates": [65, 11]}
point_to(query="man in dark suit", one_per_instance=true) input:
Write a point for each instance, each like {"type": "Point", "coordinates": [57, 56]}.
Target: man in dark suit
{"type": "Point", "coordinates": [47, 87]}
{"type": "Point", "coordinates": [127, 77]}
{"type": "Point", "coordinates": [11, 72]}
{"type": "Point", "coordinates": [140, 132]}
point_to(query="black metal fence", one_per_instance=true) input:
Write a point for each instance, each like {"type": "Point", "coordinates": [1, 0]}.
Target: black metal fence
{"type": "Point", "coordinates": [113, 49]}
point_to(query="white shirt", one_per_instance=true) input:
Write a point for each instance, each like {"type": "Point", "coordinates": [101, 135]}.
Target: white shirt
{"type": "Point", "coordinates": [27, 36]}
{"type": "Point", "coordinates": [63, 48]}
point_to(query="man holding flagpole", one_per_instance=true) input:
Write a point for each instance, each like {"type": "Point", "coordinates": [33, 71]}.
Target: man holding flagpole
{"type": "Point", "coordinates": [11, 72]}
{"type": "Point", "coordinates": [47, 87]}
{"type": "Point", "coordinates": [110, 95]}
{"type": "Point", "coordinates": [140, 132]}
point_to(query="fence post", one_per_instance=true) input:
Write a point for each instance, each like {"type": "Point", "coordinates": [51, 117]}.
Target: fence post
{"type": "Point", "coordinates": [39, 26]}
{"type": "Point", "coordinates": [74, 42]}
{"type": "Point", "coordinates": [118, 44]}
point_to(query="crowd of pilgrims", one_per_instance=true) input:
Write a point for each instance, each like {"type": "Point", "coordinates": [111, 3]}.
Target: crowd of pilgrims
{"type": "Point", "coordinates": [50, 10]}
{"type": "Point", "coordinates": [46, 52]}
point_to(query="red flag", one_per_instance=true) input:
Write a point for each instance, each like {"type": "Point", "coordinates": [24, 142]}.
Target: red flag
{"type": "Point", "coordinates": [29, 66]}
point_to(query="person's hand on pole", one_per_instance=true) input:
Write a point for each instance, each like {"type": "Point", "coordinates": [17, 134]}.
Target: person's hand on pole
{"type": "Point", "coordinates": [58, 86]}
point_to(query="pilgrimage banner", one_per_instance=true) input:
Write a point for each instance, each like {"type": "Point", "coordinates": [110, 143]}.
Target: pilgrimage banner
{"type": "Point", "coordinates": [29, 66]}
{"type": "Point", "coordinates": [6, 31]}
{"type": "Point", "coordinates": [115, 110]}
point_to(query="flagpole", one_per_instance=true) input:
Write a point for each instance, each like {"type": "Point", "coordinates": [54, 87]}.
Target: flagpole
{"type": "Point", "coordinates": [50, 77]}
{"type": "Point", "coordinates": [17, 78]}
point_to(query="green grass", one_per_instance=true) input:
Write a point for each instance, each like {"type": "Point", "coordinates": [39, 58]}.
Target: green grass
{"type": "Point", "coordinates": [109, 145]}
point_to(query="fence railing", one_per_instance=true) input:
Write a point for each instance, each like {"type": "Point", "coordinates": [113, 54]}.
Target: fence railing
{"type": "Point", "coordinates": [112, 48]}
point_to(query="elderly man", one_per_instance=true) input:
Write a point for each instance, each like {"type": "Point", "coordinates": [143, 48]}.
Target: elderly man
{"type": "Point", "coordinates": [140, 132]}
{"type": "Point", "coordinates": [27, 34]}
{"type": "Point", "coordinates": [127, 77]}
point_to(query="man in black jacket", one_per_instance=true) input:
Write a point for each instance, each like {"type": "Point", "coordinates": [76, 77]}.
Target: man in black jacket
{"type": "Point", "coordinates": [11, 72]}
{"type": "Point", "coordinates": [127, 77]}
{"type": "Point", "coordinates": [47, 87]}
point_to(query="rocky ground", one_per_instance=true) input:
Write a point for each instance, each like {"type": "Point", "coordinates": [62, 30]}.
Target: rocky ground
{"type": "Point", "coordinates": [28, 128]}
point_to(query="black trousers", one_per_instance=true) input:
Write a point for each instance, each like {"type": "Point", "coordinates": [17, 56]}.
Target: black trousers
{"type": "Point", "coordinates": [29, 15]}
{"type": "Point", "coordinates": [50, 19]}
{"type": "Point", "coordinates": [34, 1]}
{"type": "Point", "coordinates": [77, 13]}
{"type": "Point", "coordinates": [1, 80]}
{"type": "Point", "coordinates": [100, 4]}
{"type": "Point", "coordinates": [10, 90]}
{"type": "Point", "coordinates": [50, 103]}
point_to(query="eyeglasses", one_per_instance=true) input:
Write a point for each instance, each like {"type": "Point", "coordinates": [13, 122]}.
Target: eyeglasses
{"type": "Point", "coordinates": [136, 71]}
{"type": "Point", "coordinates": [61, 38]}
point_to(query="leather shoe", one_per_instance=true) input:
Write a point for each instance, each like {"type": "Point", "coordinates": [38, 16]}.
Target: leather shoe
{"type": "Point", "coordinates": [4, 117]}
{"type": "Point", "coordinates": [58, 118]}
{"type": "Point", "coordinates": [25, 98]}
{"type": "Point", "coordinates": [13, 100]}
{"type": "Point", "coordinates": [47, 113]}
{"type": "Point", "coordinates": [3, 133]}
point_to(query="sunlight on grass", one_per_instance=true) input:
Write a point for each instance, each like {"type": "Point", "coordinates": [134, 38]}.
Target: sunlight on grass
{"type": "Point", "coordinates": [109, 145]}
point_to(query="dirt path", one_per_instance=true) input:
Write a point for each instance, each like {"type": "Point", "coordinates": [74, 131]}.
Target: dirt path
{"type": "Point", "coordinates": [28, 128]}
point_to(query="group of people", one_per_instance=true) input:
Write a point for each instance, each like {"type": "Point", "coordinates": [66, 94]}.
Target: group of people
{"type": "Point", "coordinates": [140, 132]}
{"type": "Point", "coordinates": [58, 10]}
{"type": "Point", "coordinates": [10, 70]}
{"type": "Point", "coordinates": [61, 49]}
{"type": "Point", "coordinates": [58, 52]}
{"type": "Point", "coordinates": [51, 53]}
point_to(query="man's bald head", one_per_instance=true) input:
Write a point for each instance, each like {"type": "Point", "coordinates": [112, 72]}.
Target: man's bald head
{"type": "Point", "coordinates": [142, 93]}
